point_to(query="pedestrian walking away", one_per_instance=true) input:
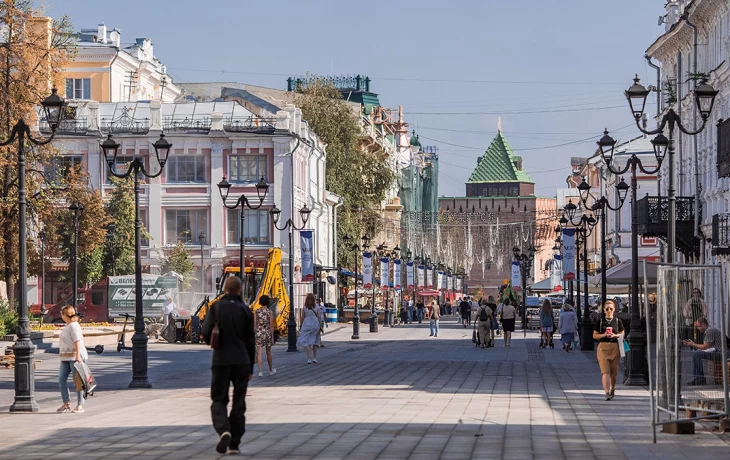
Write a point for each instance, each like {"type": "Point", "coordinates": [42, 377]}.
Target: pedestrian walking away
{"type": "Point", "coordinates": [568, 326]}
{"type": "Point", "coordinates": [494, 326]}
{"type": "Point", "coordinates": [71, 350]}
{"type": "Point", "coordinates": [264, 328]}
{"type": "Point", "coordinates": [546, 325]}
{"type": "Point", "coordinates": [410, 310]}
{"type": "Point", "coordinates": [509, 313]}
{"type": "Point", "coordinates": [419, 310]}
{"type": "Point", "coordinates": [309, 329]}
{"type": "Point", "coordinates": [484, 317]}
{"type": "Point", "coordinates": [434, 319]}
{"type": "Point", "coordinates": [465, 311]}
{"type": "Point", "coordinates": [233, 361]}
{"type": "Point", "coordinates": [322, 313]}
{"type": "Point", "coordinates": [607, 330]}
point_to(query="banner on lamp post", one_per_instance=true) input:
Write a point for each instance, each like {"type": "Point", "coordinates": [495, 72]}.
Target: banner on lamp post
{"type": "Point", "coordinates": [384, 273]}
{"type": "Point", "coordinates": [421, 276]}
{"type": "Point", "coordinates": [396, 274]}
{"type": "Point", "coordinates": [516, 276]}
{"type": "Point", "coordinates": [557, 274]}
{"type": "Point", "coordinates": [429, 277]}
{"type": "Point", "coordinates": [440, 281]}
{"type": "Point", "coordinates": [568, 243]}
{"type": "Point", "coordinates": [307, 240]}
{"type": "Point", "coordinates": [458, 284]}
{"type": "Point", "coordinates": [409, 275]}
{"type": "Point", "coordinates": [367, 270]}
{"type": "Point", "coordinates": [450, 284]}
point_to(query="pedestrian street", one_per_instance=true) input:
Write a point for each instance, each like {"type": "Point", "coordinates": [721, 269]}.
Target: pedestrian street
{"type": "Point", "coordinates": [397, 394]}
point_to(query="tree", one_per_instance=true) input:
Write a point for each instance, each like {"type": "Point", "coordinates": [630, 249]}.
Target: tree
{"type": "Point", "coordinates": [177, 259]}
{"type": "Point", "coordinates": [118, 253]}
{"type": "Point", "coordinates": [356, 169]}
{"type": "Point", "coordinates": [33, 54]}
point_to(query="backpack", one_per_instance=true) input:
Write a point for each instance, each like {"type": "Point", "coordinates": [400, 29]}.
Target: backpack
{"type": "Point", "coordinates": [483, 315]}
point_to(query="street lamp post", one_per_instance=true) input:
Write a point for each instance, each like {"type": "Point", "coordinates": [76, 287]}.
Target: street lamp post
{"type": "Point", "coordinates": [77, 208]}
{"type": "Point", "coordinates": [585, 225]}
{"type": "Point", "coordinates": [262, 188]}
{"type": "Point", "coordinates": [24, 375]}
{"type": "Point", "coordinates": [600, 210]}
{"type": "Point", "coordinates": [635, 358]}
{"type": "Point", "coordinates": [110, 229]}
{"type": "Point", "coordinates": [275, 212]}
{"type": "Point", "coordinates": [42, 237]}
{"type": "Point", "coordinates": [525, 260]}
{"type": "Point", "coordinates": [201, 240]}
{"type": "Point", "coordinates": [704, 100]}
{"type": "Point", "coordinates": [139, 340]}
{"type": "Point", "coordinates": [356, 318]}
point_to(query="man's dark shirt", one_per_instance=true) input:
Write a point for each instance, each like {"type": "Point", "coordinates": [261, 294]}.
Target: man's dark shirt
{"type": "Point", "coordinates": [419, 306]}
{"type": "Point", "coordinates": [235, 322]}
{"type": "Point", "coordinates": [464, 307]}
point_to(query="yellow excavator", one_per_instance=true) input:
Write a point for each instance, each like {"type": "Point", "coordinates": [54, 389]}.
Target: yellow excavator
{"type": "Point", "coordinates": [256, 282]}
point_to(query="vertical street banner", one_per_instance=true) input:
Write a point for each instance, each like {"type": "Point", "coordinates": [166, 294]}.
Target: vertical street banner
{"type": "Point", "coordinates": [568, 254]}
{"type": "Point", "coordinates": [421, 276]}
{"type": "Point", "coordinates": [367, 270]}
{"type": "Point", "coordinates": [516, 278]}
{"type": "Point", "coordinates": [396, 274]}
{"type": "Point", "coordinates": [429, 277]}
{"type": "Point", "coordinates": [450, 284]}
{"type": "Point", "coordinates": [384, 273]}
{"type": "Point", "coordinates": [409, 275]}
{"type": "Point", "coordinates": [556, 277]}
{"type": "Point", "coordinates": [440, 280]}
{"type": "Point", "coordinates": [307, 240]}
{"type": "Point", "coordinates": [458, 284]}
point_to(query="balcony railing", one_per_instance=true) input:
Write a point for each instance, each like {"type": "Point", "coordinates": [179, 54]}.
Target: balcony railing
{"type": "Point", "coordinates": [185, 124]}
{"type": "Point", "coordinates": [721, 234]}
{"type": "Point", "coordinates": [249, 125]}
{"type": "Point", "coordinates": [723, 148]}
{"type": "Point", "coordinates": [653, 214]}
{"type": "Point", "coordinates": [70, 126]}
{"type": "Point", "coordinates": [124, 124]}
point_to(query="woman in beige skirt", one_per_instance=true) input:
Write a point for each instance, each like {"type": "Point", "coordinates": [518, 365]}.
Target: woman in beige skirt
{"type": "Point", "coordinates": [607, 330]}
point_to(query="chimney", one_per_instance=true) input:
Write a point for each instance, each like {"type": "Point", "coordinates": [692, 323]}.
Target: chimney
{"type": "Point", "coordinates": [101, 34]}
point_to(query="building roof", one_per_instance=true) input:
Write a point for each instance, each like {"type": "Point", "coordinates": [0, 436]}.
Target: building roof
{"type": "Point", "coordinates": [499, 164]}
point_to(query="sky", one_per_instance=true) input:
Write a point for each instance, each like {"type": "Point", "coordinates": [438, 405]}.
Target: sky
{"type": "Point", "coordinates": [554, 71]}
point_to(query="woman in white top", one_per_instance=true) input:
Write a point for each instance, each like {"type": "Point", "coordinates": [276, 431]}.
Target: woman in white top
{"type": "Point", "coordinates": [72, 350]}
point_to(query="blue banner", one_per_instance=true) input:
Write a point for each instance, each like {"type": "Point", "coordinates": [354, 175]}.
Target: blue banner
{"type": "Point", "coordinates": [307, 245]}
{"type": "Point", "coordinates": [568, 243]}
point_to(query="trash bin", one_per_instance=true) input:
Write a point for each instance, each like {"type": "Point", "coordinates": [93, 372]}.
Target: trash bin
{"type": "Point", "coordinates": [331, 315]}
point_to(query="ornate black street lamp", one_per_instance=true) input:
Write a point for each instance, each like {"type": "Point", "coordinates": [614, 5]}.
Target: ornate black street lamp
{"type": "Point", "coordinates": [585, 225]}
{"type": "Point", "coordinates": [525, 259]}
{"type": "Point", "coordinates": [42, 238]}
{"type": "Point", "coordinates": [355, 248]}
{"type": "Point", "coordinates": [600, 209]}
{"type": "Point", "coordinates": [110, 235]}
{"type": "Point", "coordinates": [379, 250]}
{"type": "Point", "coordinates": [136, 167]}
{"type": "Point", "coordinates": [262, 188]}
{"type": "Point", "coordinates": [275, 212]}
{"type": "Point", "coordinates": [76, 208]}
{"type": "Point", "coordinates": [704, 100]}
{"type": "Point", "coordinates": [201, 240]}
{"type": "Point", "coordinates": [24, 376]}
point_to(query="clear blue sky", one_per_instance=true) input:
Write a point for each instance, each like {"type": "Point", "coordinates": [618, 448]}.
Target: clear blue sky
{"type": "Point", "coordinates": [475, 48]}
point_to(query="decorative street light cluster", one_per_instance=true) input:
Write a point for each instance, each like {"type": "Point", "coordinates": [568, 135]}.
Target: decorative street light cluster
{"type": "Point", "coordinates": [139, 340]}
{"type": "Point", "coordinates": [355, 248]}
{"type": "Point", "coordinates": [525, 259]}
{"type": "Point", "coordinates": [289, 224]}
{"type": "Point", "coordinates": [76, 208]}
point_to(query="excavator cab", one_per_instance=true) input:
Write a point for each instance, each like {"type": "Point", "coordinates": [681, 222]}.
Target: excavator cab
{"type": "Point", "coordinates": [251, 281]}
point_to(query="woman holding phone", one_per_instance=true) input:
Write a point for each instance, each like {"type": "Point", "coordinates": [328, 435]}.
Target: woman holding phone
{"type": "Point", "coordinates": [607, 330]}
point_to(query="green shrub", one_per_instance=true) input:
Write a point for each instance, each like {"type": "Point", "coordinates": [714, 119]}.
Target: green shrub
{"type": "Point", "coordinates": [8, 320]}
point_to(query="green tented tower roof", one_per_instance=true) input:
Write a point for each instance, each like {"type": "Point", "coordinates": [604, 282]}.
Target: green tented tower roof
{"type": "Point", "coordinates": [499, 164]}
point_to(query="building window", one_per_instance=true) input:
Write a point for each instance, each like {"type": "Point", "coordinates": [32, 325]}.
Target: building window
{"type": "Point", "coordinates": [60, 166]}
{"type": "Point", "coordinates": [186, 168]}
{"type": "Point", "coordinates": [256, 226]}
{"type": "Point", "coordinates": [145, 226]}
{"type": "Point", "coordinates": [78, 88]}
{"type": "Point", "coordinates": [185, 225]}
{"type": "Point", "coordinates": [247, 168]}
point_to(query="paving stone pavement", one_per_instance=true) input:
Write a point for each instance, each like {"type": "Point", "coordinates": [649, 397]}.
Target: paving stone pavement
{"type": "Point", "coordinates": [397, 394]}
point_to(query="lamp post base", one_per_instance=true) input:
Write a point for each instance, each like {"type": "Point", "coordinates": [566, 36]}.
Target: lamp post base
{"type": "Point", "coordinates": [636, 361]}
{"type": "Point", "coordinates": [586, 334]}
{"type": "Point", "coordinates": [356, 327]}
{"type": "Point", "coordinates": [139, 361]}
{"type": "Point", "coordinates": [373, 323]}
{"type": "Point", "coordinates": [386, 319]}
{"type": "Point", "coordinates": [291, 335]}
{"type": "Point", "coordinates": [24, 377]}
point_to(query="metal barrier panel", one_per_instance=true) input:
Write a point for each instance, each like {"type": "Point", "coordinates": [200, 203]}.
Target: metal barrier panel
{"type": "Point", "coordinates": [690, 358]}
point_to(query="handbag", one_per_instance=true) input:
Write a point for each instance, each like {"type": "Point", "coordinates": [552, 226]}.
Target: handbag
{"type": "Point", "coordinates": [215, 335]}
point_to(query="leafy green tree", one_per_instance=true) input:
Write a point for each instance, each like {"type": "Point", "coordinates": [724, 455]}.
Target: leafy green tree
{"type": "Point", "coordinates": [177, 259]}
{"type": "Point", "coordinates": [356, 168]}
{"type": "Point", "coordinates": [118, 252]}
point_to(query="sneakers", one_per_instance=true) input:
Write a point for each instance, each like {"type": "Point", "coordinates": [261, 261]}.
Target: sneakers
{"type": "Point", "coordinates": [233, 452]}
{"type": "Point", "coordinates": [223, 441]}
{"type": "Point", "coordinates": [608, 396]}
{"type": "Point", "coordinates": [309, 361]}
{"type": "Point", "coordinates": [261, 374]}
{"type": "Point", "coordinates": [63, 409]}
{"type": "Point", "coordinates": [272, 372]}
{"type": "Point", "coordinates": [612, 392]}
{"type": "Point", "coordinates": [315, 361]}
